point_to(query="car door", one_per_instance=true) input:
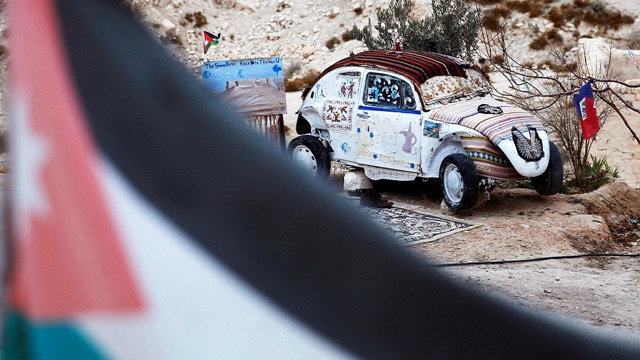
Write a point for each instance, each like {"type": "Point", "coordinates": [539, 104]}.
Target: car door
{"type": "Point", "coordinates": [388, 123]}
{"type": "Point", "coordinates": [340, 93]}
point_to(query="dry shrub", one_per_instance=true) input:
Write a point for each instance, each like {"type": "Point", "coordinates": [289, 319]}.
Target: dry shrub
{"type": "Point", "coordinates": [358, 11]}
{"type": "Point", "coordinates": [572, 13]}
{"type": "Point", "coordinates": [559, 68]}
{"type": "Point", "coordinates": [539, 43]}
{"type": "Point", "coordinates": [198, 19]}
{"type": "Point", "coordinates": [498, 59]}
{"type": "Point", "coordinates": [605, 19]}
{"type": "Point", "coordinates": [536, 9]}
{"type": "Point", "coordinates": [282, 6]}
{"type": "Point", "coordinates": [501, 12]}
{"type": "Point", "coordinates": [346, 36]}
{"type": "Point", "coordinates": [228, 4]}
{"type": "Point", "coordinates": [491, 22]}
{"type": "Point", "coordinates": [519, 6]}
{"type": "Point", "coordinates": [581, 3]}
{"type": "Point", "coordinates": [553, 36]}
{"type": "Point", "coordinates": [298, 84]}
{"type": "Point", "coordinates": [557, 17]}
{"type": "Point", "coordinates": [331, 43]}
{"type": "Point", "coordinates": [487, 2]}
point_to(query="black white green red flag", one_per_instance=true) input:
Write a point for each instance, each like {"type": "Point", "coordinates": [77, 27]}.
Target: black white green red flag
{"type": "Point", "coordinates": [209, 39]}
{"type": "Point", "coordinates": [147, 222]}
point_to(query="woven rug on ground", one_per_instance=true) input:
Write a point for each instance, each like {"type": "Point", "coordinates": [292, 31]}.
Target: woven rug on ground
{"type": "Point", "coordinates": [410, 226]}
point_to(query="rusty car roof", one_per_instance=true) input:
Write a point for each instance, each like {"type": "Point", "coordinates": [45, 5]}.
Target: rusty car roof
{"type": "Point", "coordinates": [418, 66]}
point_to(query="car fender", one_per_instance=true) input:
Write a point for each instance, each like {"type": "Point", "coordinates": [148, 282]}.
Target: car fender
{"type": "Point", "coordinates": [312, 116]}
{"type": "Point", "coordinates": [448, 144]}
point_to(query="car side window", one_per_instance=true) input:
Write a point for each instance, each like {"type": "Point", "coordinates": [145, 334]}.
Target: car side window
{"type": "Point", "coordinates": [388, 91]}
{"type": "Point", "coordinates": [408, 100]}
{"type": "Point", "coordinates": [383, 90]}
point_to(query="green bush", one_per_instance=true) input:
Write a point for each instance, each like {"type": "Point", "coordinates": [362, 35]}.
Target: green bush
{"type": "Point", "coordinates": [599, 168]}
{"type": "Point", "coordinates": [452, 29]}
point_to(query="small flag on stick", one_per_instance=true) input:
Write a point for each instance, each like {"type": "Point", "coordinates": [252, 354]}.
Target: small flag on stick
{"type": "Point", "coordinates": [634, 58]}
{"type": "Point", "coordinates": [585, 104]}
{"type": "Point", "coordinates": [209, 39]}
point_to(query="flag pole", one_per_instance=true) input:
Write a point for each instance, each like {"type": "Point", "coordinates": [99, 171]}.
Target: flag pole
{"type": "Point", "coordinates": [634, 58]}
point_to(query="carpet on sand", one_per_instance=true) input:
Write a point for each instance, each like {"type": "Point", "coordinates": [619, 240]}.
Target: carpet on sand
{"type": "Point", "coordinates": [410, 226]}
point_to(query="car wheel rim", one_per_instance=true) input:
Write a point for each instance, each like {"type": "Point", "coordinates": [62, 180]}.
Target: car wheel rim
{"type": "Point", "coordinates": [453, 184]}
{"type": "Point", "coordinates": [305, 159]}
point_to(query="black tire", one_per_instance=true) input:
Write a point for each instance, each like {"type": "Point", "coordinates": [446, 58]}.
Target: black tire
{"type": "Point", "coordinates": [311, 155]}
{"type": "Point", "coordinates": [550, 182]}
{"type": "Point", "coordinates": [459, 182]}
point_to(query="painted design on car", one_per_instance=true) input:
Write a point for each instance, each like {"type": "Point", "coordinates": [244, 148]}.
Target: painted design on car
{"type": "Point", "coordinates": [337, 114]}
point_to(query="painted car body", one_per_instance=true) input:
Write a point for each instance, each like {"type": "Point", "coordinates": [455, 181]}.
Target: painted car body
{"type": "Point", "coordinates": [398, 114]}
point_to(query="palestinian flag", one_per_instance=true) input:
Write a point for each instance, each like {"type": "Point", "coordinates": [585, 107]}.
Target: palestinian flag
{"type": "Point", "coordinates": [209, 39]}
{"type": "Point", "coordinates": [148, 222]}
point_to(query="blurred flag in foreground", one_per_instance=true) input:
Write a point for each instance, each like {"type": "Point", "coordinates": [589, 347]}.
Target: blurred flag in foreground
{"type": "Point", "coordinates": [585, 105]}
{"type": "Point", "coordinates": [147, 222]}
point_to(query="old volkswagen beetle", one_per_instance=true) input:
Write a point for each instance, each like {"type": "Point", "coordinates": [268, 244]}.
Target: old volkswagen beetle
{"type": "Point", "coordinates": [403, 115]}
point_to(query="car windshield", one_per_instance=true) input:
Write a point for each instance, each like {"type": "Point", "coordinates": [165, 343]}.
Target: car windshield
{"type": "Point", "coordinates": [443, 89]}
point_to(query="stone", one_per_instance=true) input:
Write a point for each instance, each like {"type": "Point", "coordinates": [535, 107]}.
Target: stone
{"type": "Point", "coordinates": [167, 25]}
{"type": "Point", "coordinates": [308, 51]}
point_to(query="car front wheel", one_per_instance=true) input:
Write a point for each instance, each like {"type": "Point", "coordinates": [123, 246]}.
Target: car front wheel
{"type": "Point", "coordinates": [309, 154]}
{"type": "Point", "coordinates": [459, 182]}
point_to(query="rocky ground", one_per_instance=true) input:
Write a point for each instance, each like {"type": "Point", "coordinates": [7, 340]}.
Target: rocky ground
{"type": "Point", "coordinates": [518, 224]}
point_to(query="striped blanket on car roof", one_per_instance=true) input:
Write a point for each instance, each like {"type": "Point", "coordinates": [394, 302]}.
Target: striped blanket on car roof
{"type": "Point", "coordinates": [496, 127]}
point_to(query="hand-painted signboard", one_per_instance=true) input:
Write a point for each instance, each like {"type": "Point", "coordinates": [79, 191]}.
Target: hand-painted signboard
{"type": "Point", "coordinates": [252, 86]}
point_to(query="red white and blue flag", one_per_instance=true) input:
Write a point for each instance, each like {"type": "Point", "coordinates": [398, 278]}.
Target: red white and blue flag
{"type": "Point", "coordinates": [148, 222]}
{"type": "Point", "coordinates": [585, 105]}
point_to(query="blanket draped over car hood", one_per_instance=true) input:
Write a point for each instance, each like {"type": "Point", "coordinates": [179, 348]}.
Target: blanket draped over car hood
{"type": "Point", "coordinates": [494, 119]}
{"type": "Point", "coordinates": [516, 132]}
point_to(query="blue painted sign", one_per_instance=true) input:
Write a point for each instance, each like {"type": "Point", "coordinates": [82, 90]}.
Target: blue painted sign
{"type": "Point", "coordinates": [252, 86]}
